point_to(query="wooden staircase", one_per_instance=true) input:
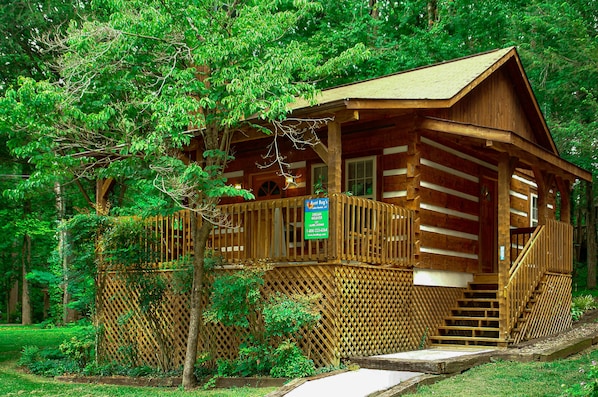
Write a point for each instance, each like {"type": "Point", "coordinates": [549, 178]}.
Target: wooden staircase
{"type": "Point", "coordinates": [475, 319]}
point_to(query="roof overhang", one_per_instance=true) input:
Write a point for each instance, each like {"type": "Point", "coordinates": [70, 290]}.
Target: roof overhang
{"type": "Point", "coordinates": [507, 141]}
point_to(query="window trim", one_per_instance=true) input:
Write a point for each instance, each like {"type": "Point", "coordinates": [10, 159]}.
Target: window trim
{"type": "Point", "coordinates": [373, 159]}
{"type": "Point", "coordinates": [533, 221]}
{"type": "Point", "coordinates": [313, 176]}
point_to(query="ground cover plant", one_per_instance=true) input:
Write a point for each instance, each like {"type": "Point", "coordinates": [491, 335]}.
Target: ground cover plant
{"type": "Point", "coordinates": [14, 381]}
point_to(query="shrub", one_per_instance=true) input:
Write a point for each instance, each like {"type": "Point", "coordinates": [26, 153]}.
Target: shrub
{"type": "Point", "coordinates": [237, 301]}
{"type": "Point", "coordinates": [46, 362]}
{"type": "Point", "coordinates": [79, 349]}
{"type": "Point", "coordinates": [581, 304]}
{"type": "Point", "coordinates": [285, 316]}
{"type": "Point", "coordinates": [290, 362]}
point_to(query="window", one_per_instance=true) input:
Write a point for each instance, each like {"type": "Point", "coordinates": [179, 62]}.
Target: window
{"type": "Point", "coordinates": [268, 188]}
{"type": "Point", "coordinates": [361, 177]}
{"type": "Point", "coordinates": [319, 178]}
{"type": "Point", "coordinates": [533, 211]}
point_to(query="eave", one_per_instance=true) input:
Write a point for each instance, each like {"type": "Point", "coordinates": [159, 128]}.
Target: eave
{"type": "Point", "coordinates": [507, 141]}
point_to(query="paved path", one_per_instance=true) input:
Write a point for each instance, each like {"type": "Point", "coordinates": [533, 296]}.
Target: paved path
{"type": "Point", "coordinates": [358, 383]}
{"type": "Point", "coordinates": [364, 382]}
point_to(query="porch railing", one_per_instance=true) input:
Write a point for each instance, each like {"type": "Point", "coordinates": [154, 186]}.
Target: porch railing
{"type": "Point", "coordinates": [519, 238]}
{"type": "Point", "coordinates": [547, 250]}
{"type": "Point", "coordinates": [360, 230]}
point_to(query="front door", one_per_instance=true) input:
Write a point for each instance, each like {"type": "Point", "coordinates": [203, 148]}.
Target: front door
{"type": "Point", "coordinates": [265, 226]}
{"type": "Point", "coordinates": [267, 186]}
{"type": "Point", "coordinates": [488, 244]}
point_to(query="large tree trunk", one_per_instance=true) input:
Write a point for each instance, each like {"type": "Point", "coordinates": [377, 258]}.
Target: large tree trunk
{"type": "Point", "coordinates": [68, 315]}
{"type": "Point", "coordinates": [13, 300]}
{"type": "Point", "coordinates": [579, 234]}
{"type": "Point", "coordinates": [591, 236]}
{"type": "Point", "coordinates": [25, 300]}
{"type": "Point", "coordinates": [200, 232]}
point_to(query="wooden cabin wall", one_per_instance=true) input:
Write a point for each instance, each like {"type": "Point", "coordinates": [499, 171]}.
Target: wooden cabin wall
{"type": "Point", "coordinates": [494, 104]}
{"type": "Point", "coordinates": [450, 206]}
{"type": "Point", "coordinates": [523, 188]}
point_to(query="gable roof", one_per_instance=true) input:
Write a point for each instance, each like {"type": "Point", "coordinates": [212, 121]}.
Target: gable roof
{"type": "Point", "coordinates": [443, 81]}
{"type": "Point", "coordinates": [435, 86]}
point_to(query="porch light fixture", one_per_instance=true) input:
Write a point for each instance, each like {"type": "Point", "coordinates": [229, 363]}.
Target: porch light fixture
{"type": "Point", "coordinates": [290, 181]}
{"type": "Point", "coordinates": [238, 186]}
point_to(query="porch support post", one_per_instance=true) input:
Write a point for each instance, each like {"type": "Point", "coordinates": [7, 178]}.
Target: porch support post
{"type": "Point", "coordinates": [544, 182]}
{"type": "Point", "coordinates": [564, 187]}
{"type": "Point", "coordinates": [334, 187]}
{"type": "Point", "coordinates": [506, 167]}
{"type": "Point", "coordinates": [334, 157]}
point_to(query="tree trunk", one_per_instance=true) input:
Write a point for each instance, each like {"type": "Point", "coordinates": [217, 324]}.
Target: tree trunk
{"type": "Point", "coordinates": [68, 315]}
{"type": "Point", "coordinates": [200, 232]}
{"type": "Point", "coordinates": [579, 235]}
{"type": "Point", "coordinates": [374, 8]}
{"type": "Point", "coordinates": [591, 236]}
{"type": "Point", "coordinates": [432, 12]}
{"type": "Point", "coordinates": [13, 299]}
{"type": "Point", "coordinates": [25, 300]}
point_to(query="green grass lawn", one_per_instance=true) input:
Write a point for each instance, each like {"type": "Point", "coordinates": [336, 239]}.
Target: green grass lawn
{"type": "Point", "coordinates": [506, 378]}
{"type": "Point", "coordinates": [14, 382]}
{"type": "Point", "coordinates": [495, 379]}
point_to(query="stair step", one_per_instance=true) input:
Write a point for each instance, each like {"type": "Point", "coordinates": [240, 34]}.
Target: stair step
{"type": "Point", "coordinates": [475, 312]}
{"type": "Point", "coordinates": [467, 328]}
{"type": "Point", "coordinates": [478, 302]}
{"type": "Point", "coordinates": [480, 291]}
{"type": "Point", "coordinates": [471, 321]}
{"type": "Point", "coordinates": [488, 278]}
{"type": "Point", "coordinates": [465, 338]}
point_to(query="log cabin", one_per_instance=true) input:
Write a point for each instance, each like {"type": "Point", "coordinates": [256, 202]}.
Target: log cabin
{"type": "Point", "coordinates": [433, 209]}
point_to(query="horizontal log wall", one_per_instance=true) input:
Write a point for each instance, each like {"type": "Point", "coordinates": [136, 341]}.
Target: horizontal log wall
{"type": "Point", "coordinates": [450, 207]}
{"type": "Point", "coordinates": [523, 187]}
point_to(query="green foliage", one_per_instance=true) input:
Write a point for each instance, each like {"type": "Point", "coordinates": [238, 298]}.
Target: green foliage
{"type": "Point", "coordinates": [128, 242]}
{"type": "Point", "coordinates": [79, 349]}
{"type": "Point", "coordinates": [290, 362]}
{"type": "Point", "coordinates": [582, 304]}
{"type": "Point", "coordinates": [83, 231]}
{"type": "Point", "coordinates": [237, 301]}
{"type": "Point", "coordinates": [284, 315]}
{"type": "Point", "coordinates": [235, 298]}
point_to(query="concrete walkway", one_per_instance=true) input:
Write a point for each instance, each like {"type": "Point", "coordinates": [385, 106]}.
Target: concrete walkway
{"type": "Point", "coordinates": [393, 375]}
{"type": "Point", "coordinates": [360, 383]}
{"type": "Point", "coordinates": [367, 381]}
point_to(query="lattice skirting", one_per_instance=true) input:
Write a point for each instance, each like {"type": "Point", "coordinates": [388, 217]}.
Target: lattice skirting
{"type": "Point", "coordinates": [365, 311]}
{"type": "Point", "coordinates": [430, 306]}
{"type": "Point", "coordinates": [552, 311]}
{"type": "Point", "coordinates": [133, 337]}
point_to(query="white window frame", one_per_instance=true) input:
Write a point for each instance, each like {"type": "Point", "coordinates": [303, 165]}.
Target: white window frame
{"type": "Point", "coordinates": [313, 176]}
{"type": "Point", "coordinates": [533, 209]}
{"type": "Point", "coordinates": [348, 162]}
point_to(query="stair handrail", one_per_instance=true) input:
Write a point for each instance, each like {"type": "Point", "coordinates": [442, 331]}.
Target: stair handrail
{"type": "Point", "coordinates": [524, 276]}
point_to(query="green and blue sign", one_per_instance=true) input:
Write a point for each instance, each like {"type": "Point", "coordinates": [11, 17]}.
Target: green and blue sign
{"type": "Point", "coordinates": [316, 218]}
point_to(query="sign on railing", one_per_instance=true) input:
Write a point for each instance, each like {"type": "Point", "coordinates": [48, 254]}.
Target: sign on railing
{"type": "Point", "coordinates": [316, 218]}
